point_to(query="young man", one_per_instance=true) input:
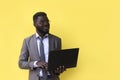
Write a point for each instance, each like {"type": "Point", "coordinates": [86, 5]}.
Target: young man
{"type": "Point", "coordinates": [35, 50]}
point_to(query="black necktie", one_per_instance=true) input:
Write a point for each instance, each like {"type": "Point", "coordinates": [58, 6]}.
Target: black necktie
{"type": "Point", "coordinates": [42, 50]}
{"type": "Point", "coordinates": [43, 57]}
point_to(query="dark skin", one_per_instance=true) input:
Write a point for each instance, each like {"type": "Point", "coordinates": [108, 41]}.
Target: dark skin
{"type": "Point", "coordinates": [42, 28]}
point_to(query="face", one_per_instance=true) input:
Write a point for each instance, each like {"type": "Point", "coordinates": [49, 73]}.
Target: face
{"type": "Point", "coordinates": [42, 25]}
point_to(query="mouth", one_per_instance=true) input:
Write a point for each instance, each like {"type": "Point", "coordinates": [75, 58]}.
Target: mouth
{"type": "Point", "coordinates": [46, 27]}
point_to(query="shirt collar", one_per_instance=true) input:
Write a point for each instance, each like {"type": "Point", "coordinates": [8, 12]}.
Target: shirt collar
{"type": "Point", "coordinates": [37, 36]}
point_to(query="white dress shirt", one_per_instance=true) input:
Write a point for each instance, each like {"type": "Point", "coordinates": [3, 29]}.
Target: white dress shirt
{"type": "Point", "coordinates": [46, 49]}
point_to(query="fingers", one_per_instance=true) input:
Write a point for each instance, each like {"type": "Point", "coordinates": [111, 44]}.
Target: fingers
{"type": "Point", "coordinates": [42, 65]}
{"type": "Point", "coordinates": [60, 69]}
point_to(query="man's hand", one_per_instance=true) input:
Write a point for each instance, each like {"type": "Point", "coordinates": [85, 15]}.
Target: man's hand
{"type": "Point", "coordinates": [43, 65]}
{"type": "Point", "coordinates": [60, 69]}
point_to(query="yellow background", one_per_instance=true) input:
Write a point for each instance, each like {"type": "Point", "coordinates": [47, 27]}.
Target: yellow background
{"type": "Point", "coordinates": [91, 25]}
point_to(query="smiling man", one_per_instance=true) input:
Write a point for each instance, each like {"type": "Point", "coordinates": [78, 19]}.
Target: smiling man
{"type": "Point", "coordinates": [35, 50]}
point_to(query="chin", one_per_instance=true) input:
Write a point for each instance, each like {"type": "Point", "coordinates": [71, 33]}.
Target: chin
{"type": "Point", "coordinates": [45, 32]}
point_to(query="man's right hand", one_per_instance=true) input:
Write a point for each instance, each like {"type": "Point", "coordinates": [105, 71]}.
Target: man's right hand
{"type": "Point", "coordinates": [43, 65]}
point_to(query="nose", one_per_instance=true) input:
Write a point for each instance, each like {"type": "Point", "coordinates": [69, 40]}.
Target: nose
{"type": "Point", "coordinates": [46, 23]}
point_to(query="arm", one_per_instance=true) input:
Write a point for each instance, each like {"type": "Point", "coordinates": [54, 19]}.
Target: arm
{"type": "Point", "coordinates": [61, 68]}
{"type": "Point", "coordinates": [24, 62]}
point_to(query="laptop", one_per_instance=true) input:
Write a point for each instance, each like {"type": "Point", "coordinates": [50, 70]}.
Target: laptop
{"type": "Point", "coordinates": [65, 57]}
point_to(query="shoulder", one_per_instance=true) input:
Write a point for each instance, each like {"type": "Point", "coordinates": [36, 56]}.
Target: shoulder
{"type": "Point", "coordinates": [54, 36]}
{"type": "Point", "coordinates": [29, 37]}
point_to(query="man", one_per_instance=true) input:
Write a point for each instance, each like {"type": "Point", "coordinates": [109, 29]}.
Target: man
{"type": "Point", "coordinates": [35, 50]}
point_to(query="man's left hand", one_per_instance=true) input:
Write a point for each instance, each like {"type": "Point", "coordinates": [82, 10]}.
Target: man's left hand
{"type": "Point", "coordinates": [60, 69]}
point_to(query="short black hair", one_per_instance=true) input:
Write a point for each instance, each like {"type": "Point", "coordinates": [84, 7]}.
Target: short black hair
{"type": "Point", "coordinates": [35, 16]}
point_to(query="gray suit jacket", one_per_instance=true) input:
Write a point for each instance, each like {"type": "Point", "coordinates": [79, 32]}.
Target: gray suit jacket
{"type": "Point", "coordinates": [29, 54]}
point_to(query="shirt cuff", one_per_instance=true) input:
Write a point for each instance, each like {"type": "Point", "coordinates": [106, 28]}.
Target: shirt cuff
{"type": "Point", "coordinates": [35, 64]}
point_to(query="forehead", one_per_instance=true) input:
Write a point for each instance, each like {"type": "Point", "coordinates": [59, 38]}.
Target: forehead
{"type": "Point", "coordinates": [42, 18]}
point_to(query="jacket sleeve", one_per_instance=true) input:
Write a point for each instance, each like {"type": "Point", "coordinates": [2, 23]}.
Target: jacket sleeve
{"type": "Point", "coordinates": [24, 62]}
{"type": "Point", "coordinates": [59, 44]}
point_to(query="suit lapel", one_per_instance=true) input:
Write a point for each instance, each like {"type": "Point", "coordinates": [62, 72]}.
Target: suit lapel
{"type": "Point", "coordinates": [50, 42]}
{"type": "Point", "coordinates": [35, 46]}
